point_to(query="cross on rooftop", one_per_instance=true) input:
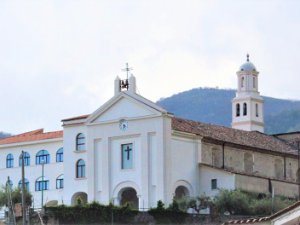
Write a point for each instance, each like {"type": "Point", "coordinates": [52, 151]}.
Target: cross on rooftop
{"type": "Point", "coordinates": [127, 69]}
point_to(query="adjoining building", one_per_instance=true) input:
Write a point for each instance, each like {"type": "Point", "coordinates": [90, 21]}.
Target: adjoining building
{"type": "Point", "coordinates": [132, 150]}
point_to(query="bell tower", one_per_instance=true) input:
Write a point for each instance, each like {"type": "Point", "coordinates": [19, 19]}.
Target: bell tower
{"type": "Point", "coordinates": [247, 106]}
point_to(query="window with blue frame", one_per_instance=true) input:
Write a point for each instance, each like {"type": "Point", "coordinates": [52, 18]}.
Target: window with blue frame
{"type": "Point", "coordinates": [26, 184]}
{"type": "Point", "coordinates": [60, 182]}
{"type": "Point", "coordinates": [9, 161]}
{"type": "Point", "coordinates": [80, 142]}
{"type": "Point", "coordinates": [26, 159]}
{"type": "Point", "coordinates": [80, 168]}
{"type": "Point", "coordinates": [42, 157]}
{"type": "Point", "coordinates": [60, 155]}
{"type": "Point", "coordinates": [41, 184]}
{"type": "Point", "coordinates": [127, 156]}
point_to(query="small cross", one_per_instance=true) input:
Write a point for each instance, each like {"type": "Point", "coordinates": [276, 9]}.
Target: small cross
{"type": "Point", "coordinates": [247, 57]}
{"type": "Point", "coordinates": [128, 150]}
{"type": "Point", "coordinates": [127, 69]}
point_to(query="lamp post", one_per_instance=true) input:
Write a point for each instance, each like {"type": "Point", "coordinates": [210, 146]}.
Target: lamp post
{"type": "Point", "coordinates": [43, 164]}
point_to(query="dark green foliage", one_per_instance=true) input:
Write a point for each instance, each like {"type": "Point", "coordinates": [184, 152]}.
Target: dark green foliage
{"type": "Point", "coordinates": [211, 105]}
{"type": "Point", "coordinates": [92, 213]}
{"type": "Point", "coordinates": [244, 203]}
{"type": "Point", "coordinates": [16, 197]}
{"type": "Point", "coordinates": [171, 215]}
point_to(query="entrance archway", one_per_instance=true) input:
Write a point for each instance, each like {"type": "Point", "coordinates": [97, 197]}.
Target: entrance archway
{"type": "Point", "coordinates": [79, 198]}
{"type": "Point", "coordinates": [129, 196]}
{"type": "Point", "coordinates": [181, 192]}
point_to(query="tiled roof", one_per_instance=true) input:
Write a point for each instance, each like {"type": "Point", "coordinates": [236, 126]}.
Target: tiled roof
{"type": "Point", "coordinates": [76, 118]}
{"type": "Point", "coordinates": [35, 135]}
{"type": "Point", "coordinates": [261, 219]}
{"type": "Point", "coordinates": [253, 139]}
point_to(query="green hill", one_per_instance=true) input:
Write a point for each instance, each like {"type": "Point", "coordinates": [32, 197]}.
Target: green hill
{"type": "Point", "coordinates": [3, 135]}
{"type": "Point", "coordinates": [211, 105]}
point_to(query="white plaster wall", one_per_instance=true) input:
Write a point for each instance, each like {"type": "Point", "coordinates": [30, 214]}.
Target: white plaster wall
{"type": "Point", "coordinates": [184, 165]}
{"type": "Point", "coordinates": [133, 110]}
{"type": "Point", "coordinates": [225, 180]}
{"type": "Point", "coordinates": [32, 172]}
{"type": "Point", "coordinates": [71, 156]}
{"type": "Point", "coordinates": [106, 178]}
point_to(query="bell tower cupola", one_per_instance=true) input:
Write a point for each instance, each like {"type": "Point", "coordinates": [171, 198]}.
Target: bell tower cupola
{"type": "Point", "coordinates": [247, 106]}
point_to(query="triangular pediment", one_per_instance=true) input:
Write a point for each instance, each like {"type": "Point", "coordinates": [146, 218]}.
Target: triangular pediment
{"type": "Point", "coordinates": [127, 106]}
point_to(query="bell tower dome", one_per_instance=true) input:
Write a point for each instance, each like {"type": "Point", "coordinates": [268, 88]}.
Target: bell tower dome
{"type": "Point", "coordinates": [247, 106]}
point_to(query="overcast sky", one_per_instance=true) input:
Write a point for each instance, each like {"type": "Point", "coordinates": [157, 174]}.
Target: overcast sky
{"type": "Point", "coordinates": [59, 59]}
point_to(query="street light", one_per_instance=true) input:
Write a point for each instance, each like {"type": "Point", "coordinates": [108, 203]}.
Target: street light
{"type": "Point", "coordinates": [43, 164]}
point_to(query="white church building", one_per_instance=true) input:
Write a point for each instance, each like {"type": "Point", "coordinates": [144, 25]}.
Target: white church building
{"type": "Point", "coordinates": [132, 150]}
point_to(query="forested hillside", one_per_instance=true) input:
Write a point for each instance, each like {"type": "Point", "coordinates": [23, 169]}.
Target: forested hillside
{"type": "Point", "coordinates": [3, 135]}
{"type": "Point", "coordinates": [211, 105]}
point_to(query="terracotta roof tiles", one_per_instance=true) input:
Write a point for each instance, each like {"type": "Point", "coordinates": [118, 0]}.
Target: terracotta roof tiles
{"type": "Point", "coordinates": [35, 135]}
{"type": "Point", "coordinates": [253, 139]}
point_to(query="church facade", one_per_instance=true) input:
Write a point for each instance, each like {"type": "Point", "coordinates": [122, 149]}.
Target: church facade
{"type": "Point", "coordinates": [132, 150]}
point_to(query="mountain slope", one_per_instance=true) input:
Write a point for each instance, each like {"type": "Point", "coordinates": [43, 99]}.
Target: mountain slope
{"type": "Point", "coordinates": [3, 135]}
{"type": "Point", "coordinates": [211, 105]}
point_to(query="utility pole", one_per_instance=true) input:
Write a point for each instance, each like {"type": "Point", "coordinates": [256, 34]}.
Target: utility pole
{"type": "Point", "coordinates": [43, 185]}
{"type": "Point", "coordinates": [23, 191]}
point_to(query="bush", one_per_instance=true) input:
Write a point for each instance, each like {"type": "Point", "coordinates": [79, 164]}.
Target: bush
{"type": "Point", "coordinates": [234, 202]}
{"type": "Point", "coordinates": [248, 203]}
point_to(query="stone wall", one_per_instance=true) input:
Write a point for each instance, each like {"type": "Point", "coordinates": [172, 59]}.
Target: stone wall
{"type": "Point", "coordinates": [255, 168]}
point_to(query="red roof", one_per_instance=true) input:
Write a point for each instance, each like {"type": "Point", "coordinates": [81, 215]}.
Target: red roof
{"type": "Point", "coordinates": [35, 135]}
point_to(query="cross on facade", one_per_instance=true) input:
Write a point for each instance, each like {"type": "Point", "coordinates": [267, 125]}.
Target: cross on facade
{"type": "Point", "coordinates": [128, 150]}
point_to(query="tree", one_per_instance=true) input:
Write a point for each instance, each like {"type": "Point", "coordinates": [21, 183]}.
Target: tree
{"type": "Point", "coordinates": [16, 197]}
{"type": "Point", "coordinates": [196, 203]}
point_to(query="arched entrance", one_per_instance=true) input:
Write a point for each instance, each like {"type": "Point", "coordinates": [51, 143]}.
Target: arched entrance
{"type": "Point", "coordinates": [79, 198]}
{"type": "Point", "coordinates": [181, 192]}
{"type": "Point", "coordinates": [129, 196]}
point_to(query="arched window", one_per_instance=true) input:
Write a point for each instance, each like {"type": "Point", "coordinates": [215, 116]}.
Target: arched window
{"type": "Point", "coordinates": [60, 155]}
{"type": "Point", "coordinates": [26, 182]}
{"type": "Point", "coordinates": [80, 142]}
{"type": "Point", "coordinates": [42, 157]}
{"type": "Point", "coordinates": [254, 82]}
{"type": "Point", "coordinates": [237, 109]}
{"type": "Point", "coordinates": [60, 182]}
{"type": "Point", "coordinates": [278, 169]}
{"type": "Point", "coordinates": [26, 159]}
{"type": "Point", "coordinates": [243, 82]}
{"type": "Point", "coordinates": [80, 168]}
{"type": "Point", "coordinates": [248, 162]}
{"type": "Point", "coordinates": [245, 109]}
{"type": "Point", "coordinates": [256, 110]}
{"type": "Point", "coordinates": [9, 161]}
{"type": "Point", "coordinates": [41, 184]}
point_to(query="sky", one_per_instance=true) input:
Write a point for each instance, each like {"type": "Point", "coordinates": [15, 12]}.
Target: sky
{"type": "Point", "coordinates": [59, 59]}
